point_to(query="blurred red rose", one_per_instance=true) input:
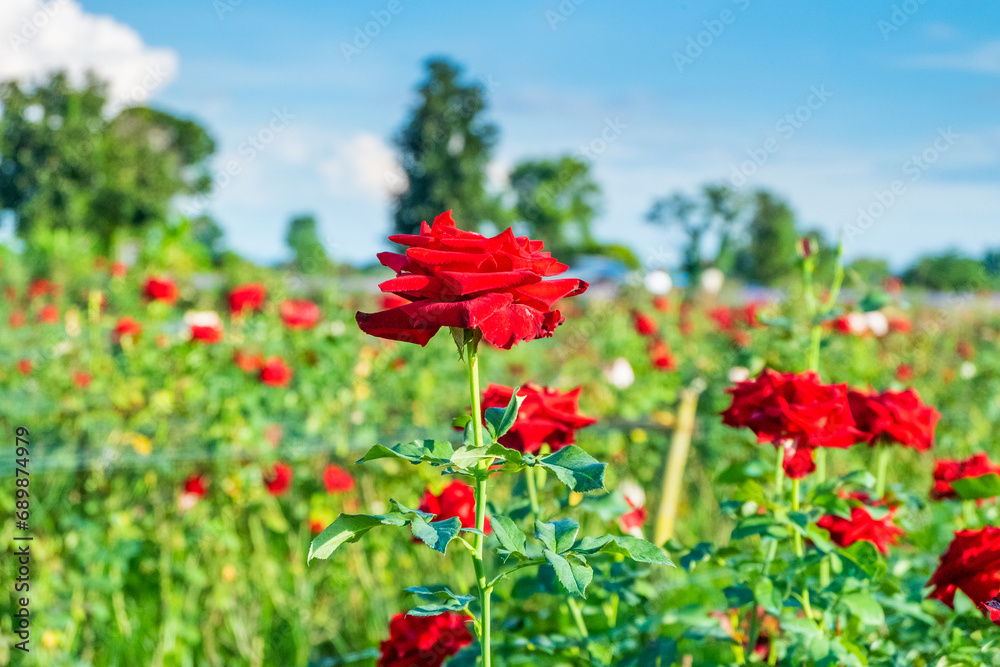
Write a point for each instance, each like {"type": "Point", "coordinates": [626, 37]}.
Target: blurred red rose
{"type": "Point", "coordinates": [662, 357]}
{"type": "Point", "coordinates": [947, 471]}
{"type": "Point", "coordinates": [279, 479]}
{"type": "Point", "coordinates": [16, 319]}
{"type": "Point", "coordinates": [299, 314]}
{"type": "Point", "coordinates": [316, 526]}
{"type": "Point", "coordinates": [118, 270]}
{"type": "Point", "coordinates": [160, 288]}
{"type": "Point", "coordinates": [25, 366]}
{"type": "Point", "coordinates": [41, 287]}
{"type": "Point", "coordinates": [965, 350]}
{"type": "Point", "coordinates": [246, 298]}
{"type": "Point", "coordinates": [644, 324]}
{"type": "Point", "coordinates": [796, 412]}
{"type": "Point", "coordinates": [275, 372]}
{"type": "Point", "coordinates": [661, 303]}
{"type": "Point", "coordinates": [455, 278]}
{"type": "Point", "coordinates": [547, 416]}
{"type": "Point", "coordinates": [49, 315]}
{"type": "Point", "coordinates": [82, 380]}
{"type": "Point", "coordinates": [723, 317]}
{"type": "Point", "coordinates": [900, 325]}
{"type": "Point", "coordinates": [862, 526]}
{"type": "Point", "coordinates": [971, 565]}
{"type": "Point", "coordinates": [337, 480]}
{"type": "Point", "coordinates": [126, 326]}
{"type": "Point", "coordinates": [894, 416]}
{"type": "Point", "coordinates": [904, 372]}
{"type": "Point", "coordinates": [195, 485]}
{"type": "Point", "coordinates": [206, 333]}
{"type": "Point", "coordinates": [424, 641]}
{"type": "Point", "coordinates": [457, 499]}
{"type": "Point", "coordinates": [248, 363]}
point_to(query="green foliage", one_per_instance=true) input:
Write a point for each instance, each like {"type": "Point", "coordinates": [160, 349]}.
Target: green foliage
{"type": "Point", "coordinates": [768, 256]}
{"type": "Point", "coordinates": [65, 165]}
{"type": "Point", "coordinates": [949, 272]}
{"type": "Point", "coordinates": [444, 149]}
{"type": "Point", "coordinates": [308, 253]}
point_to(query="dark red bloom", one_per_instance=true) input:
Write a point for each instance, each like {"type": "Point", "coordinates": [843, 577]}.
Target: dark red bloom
{"type": "Point", "coordinates": [862, 526]}
{"type": "Point", "coordinates": [387, 301]}
{"type": "Point", "coordinates": [49, 315]}
{"type": "Point", "coordinates": [455, 278]}
{"type": "Point", "coordinates": [895, 416]}
{"type": "Point", "coordinates": [25, 366]}
{"type": "Point", "coordinates": [299, 314]}
{"type": "Point", "coordinates": [424, 641]}
{"type": "Point", "coordinates": [644, 324]}
{"type": "Point", "coordinates": [993, 609]}
{"type": "Point", "coordinates": [195, 486]}
{"type": "Point", "coordinates": [159, 288]}
{"type": "Point", "coordinates": [971, 565]}
{"type": "Point", "coordinates": [82, 380]}
{"type": "Point", "coordinates": [947, 471]}
{"type": "Point", "coordinates": [279, 479]}
{"type": "Point", "coordinates": [16, 319]}
{"type": "Point", "coordinates": [796, 412]}
{"type": "Point", "coordinates": [275, 372]}
{"type": "Point", "coordinates": [457, 499]}
{"type": "Point", "coordinates": [547, 416]}
{"type": "Point", "coordinates": [662, 357]}
{"type": "Point", "coordinates": [246, 297]}
{"type": "Point", "coordinates": [337, 480]}
{"type": "Point", "coordinates": [42, 287]}
{"type": "Point", "coordinates": [126, 327]}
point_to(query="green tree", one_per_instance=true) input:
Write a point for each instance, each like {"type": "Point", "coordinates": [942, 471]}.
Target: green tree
{"type": "Point", "coordinates": [717, 211]}
{"type": "Point", "coordinates": [444, 149]}
{"type": "Point", "coordinates": [65, 165]}
{"type": "Point", "coordinates": [309, 254]}
{"type": "Point", "coordinates": [949, 272]}
{"type": "Point", "coordinates": [769, 254]}
{"type": "Point", "coordinates": [557, 200]}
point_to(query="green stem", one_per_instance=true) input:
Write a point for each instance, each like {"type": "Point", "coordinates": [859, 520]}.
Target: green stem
{"type": "Point", "coordinates": [574, 609]}
{"type": "Point", "coordinates": [795, 508]}
{"type": "Point", "coordinates": [482, 475]}
{"type": "Point", "coordinates": [529, 475]}
{"type": "Point", "coordinates": [882, 471]}
{"type": "Point", "coordinates": [779, 475]}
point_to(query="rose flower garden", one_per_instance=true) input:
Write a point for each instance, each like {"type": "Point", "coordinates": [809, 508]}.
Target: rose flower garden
{"type": "Point", "coordinates": [489, 464]}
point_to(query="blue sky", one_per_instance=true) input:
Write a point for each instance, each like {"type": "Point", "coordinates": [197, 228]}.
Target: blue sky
{"type": "Point", "coordinates": [885, 81]}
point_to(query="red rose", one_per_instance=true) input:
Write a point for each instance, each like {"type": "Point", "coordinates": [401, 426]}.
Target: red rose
{"type": "Point", "coordinates": [41, 287]}
{"type": "Point", "coordinates": [387, 301]}
{"type": "Point", "coordinates": [82, 380]}
{"type": "Point", "coordinates": [904, 372]}
{"type": "Point", "coordinates": [796, 412]}
{"type": "Point", "coordinates": [246, 297]}
{"type": "Point", "coordinates": [316, 526]}
{"type": "Point", "coordinates": [195, 486]}
{"type": "Point", "coordinates": [279, 479]}
{"type": "Point", "coordinates": [947, 471]}
{"type": "Point", "coordinates": [118, 270]}
{"type": "Point", "coordinates": [457, 499]}
{"type": "Point", "coordinates": [49, 315]}
{"type": "Point", "coordinates": [723, 318]}
{"type": "Point", "coordinates": [16, 319]}
{"type": "Point", "coordinates": [337, 480]}
{"type": "Point", "coordinates": [900, 325]}
{"type": "Point", "coordinates": [547, 416]}
{"type": "Point", "coordinates": [455, 278]}
{"type": "Point", "coordinates": [971, 565]}
{"type": "Point", "coordinates": [895, 416]}
{"type": "Point", "coordinates": [206, 333]}
{"type": "Point", "coordinates": [248, 363]}
{"type": "Point", "coordinates": [644, 325]}
{"type": "Point", "coordinates": [299, 314]}
{"type": "Point", "coordinates": [127, 327]}
{"type": "Point", "coordinates": [862, 526]}
{"type": "Point", "coordinates": [993, 607]}
{"type": "Point", "coordinates": [424, 641]}
{"type": "Point", "coordinates": [25, 366]}
{"type": "Point", "coordinates": [275, 372]}
{"type": "Point", "coordinates": [661, 356]}
{"type": "Point", "coordinates": [661, 303]}
{"type": "Point", "coordinates": [159, 288]}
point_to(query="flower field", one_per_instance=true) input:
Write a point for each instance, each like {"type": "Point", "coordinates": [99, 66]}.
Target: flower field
{"type": "Point", "coordinates": [819, 466]}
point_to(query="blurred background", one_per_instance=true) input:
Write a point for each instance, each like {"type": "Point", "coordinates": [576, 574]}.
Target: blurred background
{"type": "Point", "coordinates": [674, 154]}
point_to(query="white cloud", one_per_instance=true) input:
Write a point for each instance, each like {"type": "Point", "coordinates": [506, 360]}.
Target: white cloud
{"type": "Point", "coordinates": [37, 38]}
{"type": "Point", "coordinates": [984, 58]}
{"type": "Point", "coordinates": [363, 163]}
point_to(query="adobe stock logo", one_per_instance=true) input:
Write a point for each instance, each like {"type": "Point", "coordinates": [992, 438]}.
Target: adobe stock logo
{"type": "Point", "coordinates": [363, 35]}
{"type": "Point", "coordinates": [915, 167]}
